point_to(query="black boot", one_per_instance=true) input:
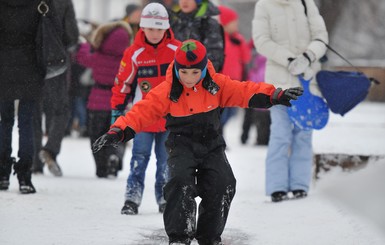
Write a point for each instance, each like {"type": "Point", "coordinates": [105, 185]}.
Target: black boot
{"type": "Point", "coordinates": [279, 196]}
{"type": "Point", "coordinates": [5, 172]}
{"type": "Point", "coordinates": [130, 208]}
{"type": "Point", "coordinates": [23, 172]}
{"type": "Point", "coordinates": [299, 194]}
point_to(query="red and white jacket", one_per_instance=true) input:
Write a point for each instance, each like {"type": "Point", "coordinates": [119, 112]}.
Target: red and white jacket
{"type": "Point", "coordinates": [142, 68]}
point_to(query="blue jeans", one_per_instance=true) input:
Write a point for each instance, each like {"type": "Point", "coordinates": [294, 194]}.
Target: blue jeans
{"type": "Point", "coordinates": [7, 119]}
{"type": "Point", "coordinates": [141, 153]}
{"type": "Point", "coordinates": [289, 155]}
{"type": "Point", "coordinates": [227, 113]}
{"type": "Point", "coordinates": [79, 110]}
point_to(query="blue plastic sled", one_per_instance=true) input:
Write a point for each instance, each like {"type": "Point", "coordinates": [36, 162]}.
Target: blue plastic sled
{"type": "Point", "coordinates": [309, 111]}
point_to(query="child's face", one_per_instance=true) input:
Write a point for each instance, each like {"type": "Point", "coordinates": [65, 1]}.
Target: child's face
{"type": "Point", "coordinates": [154, 36]}
{"type": "Point", "coordinates": [189, 77]}
{"type": "Point", "coordinates": [187, 6]}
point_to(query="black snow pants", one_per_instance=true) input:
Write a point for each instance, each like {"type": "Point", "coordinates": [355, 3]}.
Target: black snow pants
{"type": "Point", "coordinates": [261, 118]}
{"type": "Point", "coordinates": [198, 167]}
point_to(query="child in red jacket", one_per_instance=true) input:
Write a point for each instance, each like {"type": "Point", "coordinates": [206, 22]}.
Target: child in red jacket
{"type": "Point", "coordinates": [190, 99]}
{"type": "Point", "coordinates": [142, 68]}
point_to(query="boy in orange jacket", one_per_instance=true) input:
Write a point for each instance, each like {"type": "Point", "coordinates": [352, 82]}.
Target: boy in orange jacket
{"type": "Point", "coordinates": [142, 68]}
{"type": "Point", "coordinates": [190, 99]}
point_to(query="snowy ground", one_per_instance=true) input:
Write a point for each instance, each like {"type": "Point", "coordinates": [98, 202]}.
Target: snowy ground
{"type": "Point", "coordinates": [342, 208]}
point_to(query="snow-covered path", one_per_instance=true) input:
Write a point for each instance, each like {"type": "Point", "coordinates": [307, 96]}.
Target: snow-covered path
{"type": "Point", "coordinates": [81, 209]}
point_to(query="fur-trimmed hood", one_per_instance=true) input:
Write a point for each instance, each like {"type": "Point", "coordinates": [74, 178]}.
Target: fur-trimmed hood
{"type": "Point", "coordinates": [113, 37]}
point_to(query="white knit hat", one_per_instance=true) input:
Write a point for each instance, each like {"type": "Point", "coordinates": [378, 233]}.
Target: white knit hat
{"type": "Point", "coordinates": [154, 15]}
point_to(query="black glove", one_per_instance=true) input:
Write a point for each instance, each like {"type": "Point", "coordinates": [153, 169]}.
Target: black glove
{"type": "Point", "coordinates": [112, 137]}
{"type": "Point", "coordinates": [283, 97]}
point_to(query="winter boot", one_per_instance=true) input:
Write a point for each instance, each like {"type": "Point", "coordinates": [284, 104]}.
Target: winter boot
{"type": "Point", "coordinates": [5, 172]}
{"type": "Point", "coordinates": [113, 165]}
{"type": "Point", "coordinates": [299, 194]}
{"type": "Point", "coordinates": [278, 196]}
{"type": "Point", "coordinates": [47, 158]}
{"type": "Point", "coordinates": [23, 172]}
{"type": "Point", "coordinates": [130, 208]}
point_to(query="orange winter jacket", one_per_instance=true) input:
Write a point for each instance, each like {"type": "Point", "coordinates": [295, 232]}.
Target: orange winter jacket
{"type": "Point", "coordinates": [187, 107]}
{"type": "Point", "coordinates": [142, 68]}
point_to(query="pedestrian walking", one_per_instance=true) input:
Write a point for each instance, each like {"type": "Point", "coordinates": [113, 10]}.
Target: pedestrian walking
{"type": "Point", "coordinates": [288, 34]}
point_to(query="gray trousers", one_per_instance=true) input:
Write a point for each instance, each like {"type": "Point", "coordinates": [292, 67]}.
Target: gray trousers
{"type": "Point", "coordinates": [54, 105]}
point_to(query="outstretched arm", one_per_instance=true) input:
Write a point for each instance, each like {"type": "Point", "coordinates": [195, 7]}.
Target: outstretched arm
{"type": "Point", "coordinates": [143, 114]}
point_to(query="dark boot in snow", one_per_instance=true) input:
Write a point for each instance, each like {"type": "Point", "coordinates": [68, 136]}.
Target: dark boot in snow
{"type": "Point", "coordinates": [130, 208]}
{"type": "Point", "coordinates": [278, 196]}
{"type": "Point", "coordinates": [23, 172]}
{"type": "Point", "coordinates": [5, 172]}
{"type": "Point", "coordinates": [299, 194]}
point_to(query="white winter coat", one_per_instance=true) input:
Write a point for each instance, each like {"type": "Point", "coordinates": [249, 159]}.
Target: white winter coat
{"type": "Point", "coordinates": [281, 30]}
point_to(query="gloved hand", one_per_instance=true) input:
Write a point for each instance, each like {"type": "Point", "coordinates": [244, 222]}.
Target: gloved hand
{"type": "Point", "coordinates": [308, 74]}
{"type": "Point", "coordinates": [112, 137]}
{"type": "Point", "coordinates": [283, 97]}
{"type": "Point", "coordinates": [115, 114]}
{"type": "Point", "coordinates": [299, 64]}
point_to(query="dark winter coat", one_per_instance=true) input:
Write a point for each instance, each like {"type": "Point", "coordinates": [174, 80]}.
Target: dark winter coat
{"type": "Point", "coordinates": [110, 41]}
{"type": "Point", "coordinates": [66, 14]}
{"type": "Point", "coordinates": [203, 28]}
{"type": "Point", "coordinates": [20, 77]}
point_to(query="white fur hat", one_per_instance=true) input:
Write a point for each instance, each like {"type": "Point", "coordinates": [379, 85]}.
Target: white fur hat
{"type": "Point", "coordinates": [154, 15]}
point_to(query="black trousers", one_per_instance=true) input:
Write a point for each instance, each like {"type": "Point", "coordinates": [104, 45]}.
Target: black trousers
{"type": "Point", "coordinates": [259, 118]}
{"type": "Point", "coordinates": [55, 106]}
{"type": "Point", "coordinates": [98, 124]}
{"type": "Point", "coordinates": [7, 120]}
{"type": "Point", "coordinates": [197, 168]}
